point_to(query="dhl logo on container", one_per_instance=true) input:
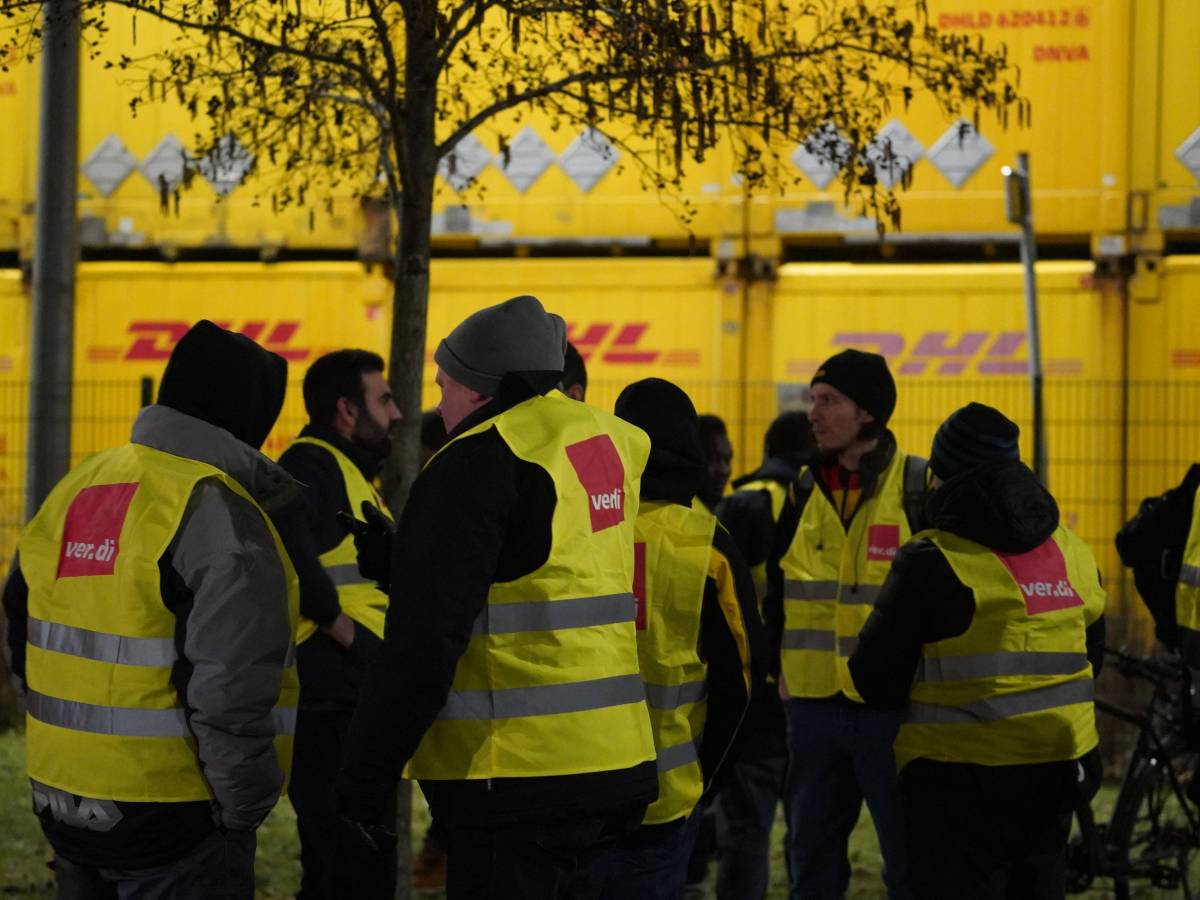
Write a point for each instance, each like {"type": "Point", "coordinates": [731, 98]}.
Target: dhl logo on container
{"type": "Point", "coordinates": [943, 353]}
{"type": "Point", "coordinates": [614, 343]}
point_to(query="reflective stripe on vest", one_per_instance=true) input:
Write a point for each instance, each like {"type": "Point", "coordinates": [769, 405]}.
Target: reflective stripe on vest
{"type": "Point", "coordinates": [1189, 574]}
{"type": "Point", "coordinates": [104, 717]}
{"type": "Point", "coordinates": [552, 662]}
{"type": "Point", "coordinates": [674, 550]}
{"type": "Point", "coordinates": [832, 577]}
{"type": "Point", "coordinates": [358, 597]}
{"type": "Point", "coordinates": [985, 697]}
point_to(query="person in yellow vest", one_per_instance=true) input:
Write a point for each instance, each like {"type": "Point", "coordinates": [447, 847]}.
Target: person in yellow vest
{"type": "Point", "coordinates": [851, 508]}
{"type": "Point", "coordinates": [700, 643]}
{"type": "Point", "coordinates": [747, 803]}
{"type": "Point", "coordinates": [151, 617]}
{"type": "Point", "coordinates": [988, 634]}
{"type": "Point", "coordinates": [336, 458]}
{"type": "Point", "coordinates": [508, 681]}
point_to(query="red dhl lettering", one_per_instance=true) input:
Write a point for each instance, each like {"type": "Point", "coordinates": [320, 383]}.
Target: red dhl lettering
{"type": "Point", "coordinates": [155, 340]}
{"type": "Point", "coordinates": [621, 344]}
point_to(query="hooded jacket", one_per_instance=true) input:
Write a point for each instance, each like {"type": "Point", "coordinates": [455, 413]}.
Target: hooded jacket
{"type": "Point", "coordinates": [222, 579]}
{"type": "Point", "coordinates": [1001, 506]}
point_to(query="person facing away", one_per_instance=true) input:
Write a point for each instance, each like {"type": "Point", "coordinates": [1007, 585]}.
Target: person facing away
{"type": "Point", "coordinates": [699, 642]}
{"type": "Point", "coordinates": [508, 680]}
{"type": "Point", "coordinates": [748, 800]}
{"type": "Point", "coordinates": [718, 460]}
{"type": "Point", "coordinates": [336, 459]}
{"type": "Point", "coordinates": [854, 504]}
{"type": "Point", "coordinates": [574, 380]}
{"type": "Point", "coordinates": [151, 615]}
{"type": "Point", "coordinates": [987, 634]}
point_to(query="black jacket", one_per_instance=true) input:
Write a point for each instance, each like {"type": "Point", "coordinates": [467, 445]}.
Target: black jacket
{"type": "Point", "coordinates": [476, 515]}
{"type": "Point", "coordinates": [1003, 507]}
{"type": "Point", "coordinates": [330, 676]}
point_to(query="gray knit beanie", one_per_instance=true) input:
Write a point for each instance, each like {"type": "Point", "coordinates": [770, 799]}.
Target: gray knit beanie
{"type": "Point", "coordinates": [517, 335]}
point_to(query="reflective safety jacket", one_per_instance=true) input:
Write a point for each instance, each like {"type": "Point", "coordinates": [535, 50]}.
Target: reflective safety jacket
{"type": "Point", "coordinates": [674, 544]}
{"type": "Point", "coordinates": [778, 494]}
{"type": "Point", "coordinates": [1016, 686]}
{"type": "Point", "coordinates": [832, 575]}
{"type": "Point", "coordinates": [1187, 590]}
{"type": "Point", "coordinates": [104, 719]}
{"type": "Point", "coordinates": [549, 683]}
{"type": "Point", "coordinates": [358, 597]}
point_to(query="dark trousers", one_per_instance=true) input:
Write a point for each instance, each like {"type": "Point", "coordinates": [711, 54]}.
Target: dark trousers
{"type": "Point", "coordinates": [652, 862]}
{"type": "Point", "coordinates": [552, 860]}
{"type": "Point", "coordinates": [219, 868]}
{"type": "Point", "coordinates": [840, 753]}
{"type": "Point", "coordinates": [746, 813]}
{"type": "Point", "coordinates": [988, 832]}
{"type": "Point", "coordinates": [317, 756]}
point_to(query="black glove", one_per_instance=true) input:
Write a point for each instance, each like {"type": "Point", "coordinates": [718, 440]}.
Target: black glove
{"type": "Point", "coordinates": [373, 541]}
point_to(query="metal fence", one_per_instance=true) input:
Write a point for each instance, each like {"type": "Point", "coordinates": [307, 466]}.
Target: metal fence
{"type": "Point", "coordinates": [1110, 443]}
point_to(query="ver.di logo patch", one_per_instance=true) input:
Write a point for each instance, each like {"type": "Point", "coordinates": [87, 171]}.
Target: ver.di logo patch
{"type": "Point", "coordinates": [1041, 574]}
{"type": "Point", "coordinates": [883, 543]}
{"type": "Point", "coordinates": [602, 475]}
{"type": "Point", "coordinates": [91, 537]}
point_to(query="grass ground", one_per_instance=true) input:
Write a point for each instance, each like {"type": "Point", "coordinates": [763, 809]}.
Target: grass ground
{"type": "Point", "coordinates": [24, 853]}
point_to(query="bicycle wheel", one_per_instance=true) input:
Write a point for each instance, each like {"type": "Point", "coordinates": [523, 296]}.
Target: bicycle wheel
{"type": "Point", "coordinates": [1153, 833]}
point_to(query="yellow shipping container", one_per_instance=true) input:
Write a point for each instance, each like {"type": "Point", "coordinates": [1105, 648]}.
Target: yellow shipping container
{"type": "Point", "coordinates": [14, 368]}
{"type": "Point", "coordinates": [956, 333]}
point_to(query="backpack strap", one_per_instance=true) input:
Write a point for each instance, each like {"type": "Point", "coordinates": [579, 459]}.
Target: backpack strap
{"type": "Point", "coordinates": [916, 489]}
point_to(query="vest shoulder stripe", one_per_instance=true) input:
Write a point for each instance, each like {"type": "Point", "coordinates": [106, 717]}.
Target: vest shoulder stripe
{"type": "Point", "coordinates": [101, 646]}
{"type": "Point", "coordinates": [1190, 574]}
{"type": "Point", "coordinates": [985, 665]}
{"type": "Point", "coordinates": [555, 615]}
{"type": "Point", "coordinates": [544, 699]}
{"type": "Point", "coordinates": [1007, 706]}
{"type": "Point", "coordinates": [674, 757]}
{"type": "Point", "coordinates": [809, 639]}
{"type": "Point", "coordinates": [672, 696]}
{"type": "Point", "coordinates": [125, 721]}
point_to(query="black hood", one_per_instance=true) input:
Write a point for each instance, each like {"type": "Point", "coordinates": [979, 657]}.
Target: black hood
{"type": "Point", "coordinates": [782, 469]}
{"type": "Point", "coordinates": [1002, 506]}
{"type": "Point", "coordinates": [227, 380]}
{"type": "Point", "coordinates": [666, 414]}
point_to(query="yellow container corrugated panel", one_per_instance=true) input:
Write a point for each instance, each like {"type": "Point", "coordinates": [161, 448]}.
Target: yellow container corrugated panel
{"type": "Point", "coordinates": [18, 162]}
{"type": "Point", "coordinates": [129, 317]}
{"type": "Point", "coordinates": [1164, 388]}
{"type": "Point", "coordinates": [1166, 115]}
{"type": "Point", "coordinates": [1074, 62]}
{"type": "Point", "coordinates": [630, 319]}
{"type": "Point", "coordinates": [956, 333]}
{"type": "Point", "coordinates": [14, 402]}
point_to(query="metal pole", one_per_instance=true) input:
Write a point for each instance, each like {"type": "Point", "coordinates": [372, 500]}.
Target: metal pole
{"type": "Point", "coordinates": [55, 253]}
{"type": "Point", "coordinates": [1029, 261]}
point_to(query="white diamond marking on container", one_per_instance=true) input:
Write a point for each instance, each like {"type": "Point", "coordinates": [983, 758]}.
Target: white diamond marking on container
{"type": "Point", "coordinates": [108, 165]}
{"type": "Point", "coordinates": [821, 155]}
{"type": "Point", "coordinates": [464, 162]}
{"type": "Point", "coordinates": [166, 164]}
{"type": "Point", "coordinates": [528, 158]}
{"type": "Point", "coordinates": [1188, 153]}
{"type": "Point", "coordinates": [588, 159]}
{"type": "Point", "coordinates": [960, 152]}
{"type": "Point", "coordinates": [226, 165]}
{"type": "Point", "coordinates": [905, 152]}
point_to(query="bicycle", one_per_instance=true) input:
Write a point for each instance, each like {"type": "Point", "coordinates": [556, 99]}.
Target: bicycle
{"type": "Point", "coordinates": [1154, 831]}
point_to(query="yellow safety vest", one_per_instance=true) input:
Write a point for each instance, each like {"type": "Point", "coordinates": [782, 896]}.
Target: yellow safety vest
{"type": "Point", "coordinates": [1016, 687]}
{"type": "Point", "coordinates": [778, 494]}
{"type": "Point", "coordinates": [1187, 589]}
{"type": "Point", "coordinates": [104, 719]}
{"type": "Point", "coordinates": [358, 597]}
{"type": "Point", "coordinates": [549, 683]}
{"type": "Point", "coordinates": [832, 577]}
{"type": "Point", "coordinates": [672, 555]}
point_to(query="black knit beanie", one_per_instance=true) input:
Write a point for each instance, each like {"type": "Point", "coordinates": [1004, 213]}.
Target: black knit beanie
{"type": "Point", "coordinates": [667, 415]}
{"type": "Point", "coordinates": [517, 335]}
{"type": "Point", "coordinates": [865, 379]}
{"type": "Point", "coordinates": [975, 435]}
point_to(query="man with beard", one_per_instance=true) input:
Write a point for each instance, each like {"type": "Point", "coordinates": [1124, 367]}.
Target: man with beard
{"type": "Point", "coordinates": [336, 458]}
